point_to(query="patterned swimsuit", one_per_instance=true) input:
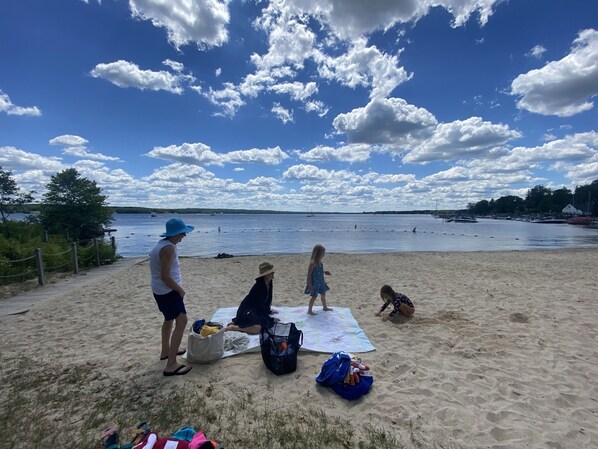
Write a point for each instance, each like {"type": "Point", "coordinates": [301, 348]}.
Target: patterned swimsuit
{"type": "Point", "coordinates": [396, 303]}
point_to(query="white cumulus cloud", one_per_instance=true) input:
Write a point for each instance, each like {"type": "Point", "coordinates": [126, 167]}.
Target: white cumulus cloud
{"type": "Point", "coordinates": [564, 87]}
{"type": "Point", "coordinates": [202, 22]}
{"type": "Point", "coordinates": [12, 158]}
{"type": "Point", "coordinates": [11, 109]}
{"type": "Point", "coordinates": [127, 74]}
{"type": "Point", "coordinates": [283, 114]}
{"type": "Point", "coordinates": [536, 52]}
{"type": "Point", "coordinates": [461, 139]}
{"type": "Point", "coordinates": [76, 146]}
{"type": "Point", "coordinates": [385, 121]}
{"type": "Point", "coordinates": [201, 154]}
{"type": "Point", "coordinates": [346, 153]}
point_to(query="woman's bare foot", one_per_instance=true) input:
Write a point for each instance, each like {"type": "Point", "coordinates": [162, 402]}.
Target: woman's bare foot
{"type": "Point", "coordinates": [327, 309]}
{"type": "Point", "coordinates": [311, 312]}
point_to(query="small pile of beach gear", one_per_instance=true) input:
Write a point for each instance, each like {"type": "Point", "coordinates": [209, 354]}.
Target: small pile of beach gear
{"type": "Point", "coordinates": [346, 375]}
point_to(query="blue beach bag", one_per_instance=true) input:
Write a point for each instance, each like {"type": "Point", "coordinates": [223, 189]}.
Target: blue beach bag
{"type": "Point", "coordinates": [352, 392]}
{"type": "Point", "coordinates": [334, 372]}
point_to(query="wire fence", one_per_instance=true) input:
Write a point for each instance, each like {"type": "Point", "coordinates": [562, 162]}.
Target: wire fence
{"type": "Point", "coordinates": [85, 253]}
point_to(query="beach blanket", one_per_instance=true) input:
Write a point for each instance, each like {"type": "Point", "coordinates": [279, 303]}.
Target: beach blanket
{"type": "Point", "coordinates": [325, 332]}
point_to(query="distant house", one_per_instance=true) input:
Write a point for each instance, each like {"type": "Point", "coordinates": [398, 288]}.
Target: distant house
{"type": "Point", "coordinates": [569, 209]}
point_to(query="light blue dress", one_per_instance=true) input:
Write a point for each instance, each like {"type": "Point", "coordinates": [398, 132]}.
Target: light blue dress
{"type": "Point", "coordinates": [317, 281]}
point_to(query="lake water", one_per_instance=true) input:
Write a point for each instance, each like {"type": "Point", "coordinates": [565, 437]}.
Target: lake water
{"type": "Point", "coordinates": [256, 234]}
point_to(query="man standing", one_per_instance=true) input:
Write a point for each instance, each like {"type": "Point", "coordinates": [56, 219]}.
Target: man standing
{"type": "Point", "coordinates": [169, 294]}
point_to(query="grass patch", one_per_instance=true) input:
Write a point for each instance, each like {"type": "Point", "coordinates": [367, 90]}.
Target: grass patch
{"type": "Point", "coordinates": [46, 405]}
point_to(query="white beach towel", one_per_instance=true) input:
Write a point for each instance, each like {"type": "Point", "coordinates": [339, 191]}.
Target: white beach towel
{"type": "Point", "coordinates": [327, 332]}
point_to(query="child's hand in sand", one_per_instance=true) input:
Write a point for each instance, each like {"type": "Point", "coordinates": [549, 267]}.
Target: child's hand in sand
{"type": "Point", "coordinates": [378, 313]}
{"type": "Point", "coordinates": [385, 318]}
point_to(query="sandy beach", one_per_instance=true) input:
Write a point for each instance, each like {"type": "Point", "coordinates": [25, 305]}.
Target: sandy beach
{"type": "Point", "coordinates": [502, 351]}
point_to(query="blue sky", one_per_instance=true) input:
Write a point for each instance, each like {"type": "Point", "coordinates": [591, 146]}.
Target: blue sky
{"type": "Point", "coordinates": [306, 105]}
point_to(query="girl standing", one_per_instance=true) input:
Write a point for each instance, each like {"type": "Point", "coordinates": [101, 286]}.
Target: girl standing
{"type": "Point", "coordinates": [316, 285]}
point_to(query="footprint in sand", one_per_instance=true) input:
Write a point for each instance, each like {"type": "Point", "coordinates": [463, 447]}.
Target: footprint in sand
{"type": "Point", "coordinates": [518, 318]}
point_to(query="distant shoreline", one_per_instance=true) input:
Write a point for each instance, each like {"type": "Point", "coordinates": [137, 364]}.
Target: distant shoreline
{"type": "Point", "coordinates": [137, 210]}
{"type": "Point", "coordinates": [31, 208]}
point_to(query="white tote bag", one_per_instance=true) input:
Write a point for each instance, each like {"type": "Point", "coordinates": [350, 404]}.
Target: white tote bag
{"type": "Point", "coordinates": [206, 349]}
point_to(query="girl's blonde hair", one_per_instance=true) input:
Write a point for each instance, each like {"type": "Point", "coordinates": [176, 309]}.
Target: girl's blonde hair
{"type": "Point", "coordinates": [387, 290]}
{"type": "Point", "coordinates": [317, 254]}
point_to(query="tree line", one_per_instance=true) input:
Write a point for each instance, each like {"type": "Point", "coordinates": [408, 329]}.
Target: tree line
{"type": "Point", "coordinates": [72, 205]}
{"type": "Point", "coordinates": [541, 200]}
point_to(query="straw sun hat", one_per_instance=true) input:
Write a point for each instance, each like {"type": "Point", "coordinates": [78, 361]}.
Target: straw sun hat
{"type": "Point", "coordinates": [266, 268]}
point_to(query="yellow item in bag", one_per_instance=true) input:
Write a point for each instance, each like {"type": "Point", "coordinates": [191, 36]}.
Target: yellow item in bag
{"type": "Point", "coordinates": [208, 330]}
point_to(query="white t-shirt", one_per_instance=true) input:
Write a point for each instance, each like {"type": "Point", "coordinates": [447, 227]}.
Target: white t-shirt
{"type": "Point", "coordinates": [158, 285]}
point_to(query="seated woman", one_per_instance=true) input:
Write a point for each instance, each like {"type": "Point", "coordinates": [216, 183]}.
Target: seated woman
{"type": "Point", "coordinates": [255, 310]}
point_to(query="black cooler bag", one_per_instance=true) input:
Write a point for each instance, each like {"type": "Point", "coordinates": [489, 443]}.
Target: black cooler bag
{"type": "Point", "coordinates": [280, 344]}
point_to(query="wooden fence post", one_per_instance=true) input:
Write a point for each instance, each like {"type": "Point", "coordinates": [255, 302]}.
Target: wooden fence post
{"type": "Point", "coordinates": [74, 257]}
{"type": "Point", "coordinates": [39, 264]}
{"type": "Point", "coordinates": [97, 249]}
{"type": "Point", "coordinates": [113, 243]}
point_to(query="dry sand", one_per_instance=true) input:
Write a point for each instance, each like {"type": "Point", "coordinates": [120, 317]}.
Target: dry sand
{"type": "Point", "coordinates": [502, 351]}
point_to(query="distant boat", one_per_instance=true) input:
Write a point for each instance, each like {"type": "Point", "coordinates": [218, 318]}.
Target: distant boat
{"type": "Point", "coordinates": [465, 220]}
{"type": "Point", "coordinates": [461, 219]}
{"type": "Point", "coordinates": [580, 221]}
{"type": "Point", "coordinates": [310, 215]}
{"type": "Point", "coordinates": [549, 220]}
{"type": "Point", "coordinates": [153, 214]}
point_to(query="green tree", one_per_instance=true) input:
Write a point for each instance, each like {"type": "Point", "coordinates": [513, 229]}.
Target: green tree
{"type": "Point", "coordinates": [586, 198]}
{"type": "Point", "coordinates": [76, 205]}
{"type": "Point", "coordinates": [11, 196]}
{"type": "Point", "coordinates": [480, 208]}
{"type": "Point", "coordinates": [510, 204]}
{"type": "Point", "coordinates": [538, 199]}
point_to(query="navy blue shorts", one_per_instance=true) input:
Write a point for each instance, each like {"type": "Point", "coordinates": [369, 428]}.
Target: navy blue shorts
{"type": "Point", "coordinates": [171, 304]}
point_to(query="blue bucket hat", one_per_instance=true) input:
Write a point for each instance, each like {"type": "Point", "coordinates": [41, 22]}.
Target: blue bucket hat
{"type": "Point", "coordinates": [176, 226]}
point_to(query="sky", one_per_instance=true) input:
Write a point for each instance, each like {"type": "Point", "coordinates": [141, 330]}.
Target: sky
{"type": "Point", "coordinates": [300, 105]}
